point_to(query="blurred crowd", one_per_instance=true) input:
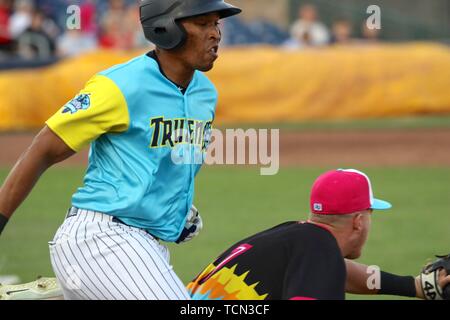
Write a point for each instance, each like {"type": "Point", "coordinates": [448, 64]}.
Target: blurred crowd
{"type": "Point", "coordinates": [42, 29]}
{"type": "Point", "coordinates": [38, 29]}
{"type": "Point", "coordinates": [309, 31]}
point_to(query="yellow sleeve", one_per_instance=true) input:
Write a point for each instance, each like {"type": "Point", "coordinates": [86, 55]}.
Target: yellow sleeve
{"type": "Point", "coordinates": [99, 108]}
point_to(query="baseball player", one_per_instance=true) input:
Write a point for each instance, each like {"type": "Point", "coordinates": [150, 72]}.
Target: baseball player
{"type": "Point", "coordinates": [148, 123]}
{"type": "Point", "coordinates": [312, 259]}
{"type": "Point", "coordinates": [299, 260]}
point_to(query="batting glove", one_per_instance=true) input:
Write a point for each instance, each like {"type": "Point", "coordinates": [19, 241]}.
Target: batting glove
{"type": "Point", "coordinates": [192, 227]}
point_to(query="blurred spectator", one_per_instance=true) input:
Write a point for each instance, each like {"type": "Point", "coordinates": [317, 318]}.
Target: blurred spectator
{"type": "Point", "coordinates": [134, 28]}
{"type": "Point", "coordinates": [35, 43]}
{"type": "Point", "coordinates": [21, 18]}
{"type": "Point", "coordinates": [370, 35]}
{"type": "Point", "coordinates": [74, 42]}
{"type": "Point", "coordinates": [5, 13]}
{"type": "Point", "coordinates": [342, 32]}
{"type": "Point", "coordinates": [88, 17]}
{"type": "Point", "coordinates": [266, 32]}
{"type": "Point", "coordinates": [115, 34]}
{"type": "Point", "coordinates": [235, 32]}
{"type": "Point", "coordinates": [308, 30]}
{"type": "Point", "coordinates": [50, 27]}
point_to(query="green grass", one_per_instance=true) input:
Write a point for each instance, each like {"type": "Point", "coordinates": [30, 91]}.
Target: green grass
{"type": "Point", "coordinates": [404, 123]}
{"type": "Point", "coordinates": [236, 202]}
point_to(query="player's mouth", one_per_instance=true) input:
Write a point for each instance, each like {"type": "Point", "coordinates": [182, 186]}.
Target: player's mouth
{"type": "Point", "coordinates": [214, 51]}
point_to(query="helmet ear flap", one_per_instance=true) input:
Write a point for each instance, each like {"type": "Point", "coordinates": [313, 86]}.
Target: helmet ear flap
{"type": "Point", "coordinates": [165, 33]}
{"type": "Point", "coordinates": [182, 35]}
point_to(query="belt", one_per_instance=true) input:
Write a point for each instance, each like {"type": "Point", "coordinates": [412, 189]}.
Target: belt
{"type": "Point", "coordinates": [73, 211]}
{"type": "Point", "coordinates": [117, 220]}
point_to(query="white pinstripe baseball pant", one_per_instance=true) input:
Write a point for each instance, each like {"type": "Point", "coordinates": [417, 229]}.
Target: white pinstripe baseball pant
{"type": "Point", "coordinates": [97, 259]}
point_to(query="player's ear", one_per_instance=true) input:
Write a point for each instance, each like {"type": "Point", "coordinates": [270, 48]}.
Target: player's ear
{"type": "Point", "coordinates": [358, 223]}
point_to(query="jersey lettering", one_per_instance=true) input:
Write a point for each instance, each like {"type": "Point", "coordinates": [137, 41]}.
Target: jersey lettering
{"type": "Point", "coordinates": [171, 132]}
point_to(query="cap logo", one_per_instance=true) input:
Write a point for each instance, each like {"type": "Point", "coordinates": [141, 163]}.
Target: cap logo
{"type": "Point", "coordinates": [317, 207]}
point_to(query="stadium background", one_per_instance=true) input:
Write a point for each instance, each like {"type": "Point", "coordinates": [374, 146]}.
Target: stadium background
{"type": "Point", "coordinates": [381, 105]}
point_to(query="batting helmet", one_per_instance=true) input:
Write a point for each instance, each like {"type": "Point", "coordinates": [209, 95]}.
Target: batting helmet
{"type": "Point", "coordinates": [160, 18]}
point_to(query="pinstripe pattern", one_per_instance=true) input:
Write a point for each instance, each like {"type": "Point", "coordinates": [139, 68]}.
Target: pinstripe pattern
{"type": "Point", "coordinates": [167, 273]}
{"type": "Point", "coordinates": [62, 274]}
{"type": "Point", "coordinates": [97, 259]}
{"type": "Point", "coordinates": [165, 277]}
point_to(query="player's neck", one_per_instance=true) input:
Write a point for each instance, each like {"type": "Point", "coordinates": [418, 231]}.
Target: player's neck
{"type": "Point", "coordinates": [340, 236]}
{"type": "Point", "coordinates": [175, 69]}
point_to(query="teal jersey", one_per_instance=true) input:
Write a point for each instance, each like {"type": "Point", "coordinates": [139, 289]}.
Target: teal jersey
{"type": "Point", "coordinates": [148, 141]}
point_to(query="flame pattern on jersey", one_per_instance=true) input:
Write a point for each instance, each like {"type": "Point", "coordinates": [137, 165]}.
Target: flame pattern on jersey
{"type": "Point", "coordinates": [223, 285]}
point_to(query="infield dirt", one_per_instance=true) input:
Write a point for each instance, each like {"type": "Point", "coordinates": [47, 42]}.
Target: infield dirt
{"type": "Point", "coordinates": [418, 147]}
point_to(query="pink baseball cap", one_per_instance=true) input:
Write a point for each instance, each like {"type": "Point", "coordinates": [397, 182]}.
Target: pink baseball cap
{"type": "Point", "coordinates": [344, 191]}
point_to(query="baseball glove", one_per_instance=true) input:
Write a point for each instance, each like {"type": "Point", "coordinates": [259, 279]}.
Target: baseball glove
{"type": "Point", "coordinates": [193, 226]}
{"type": "Point", "coordinates": [429, 279]}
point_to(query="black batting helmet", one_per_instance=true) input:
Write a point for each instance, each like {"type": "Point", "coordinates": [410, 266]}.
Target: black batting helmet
{"type": "Point", "coordinates": [159, 18]}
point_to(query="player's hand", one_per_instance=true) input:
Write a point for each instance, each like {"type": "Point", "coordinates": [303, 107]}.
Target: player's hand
{"type": "Point", "coordinates": [193, 226]}
{"type": "Point", "coordinates": [443, 281]}
{"type": "Point", "coordinates": [434, 281]}
{"type": "Point", "coordinates": [444, 278]}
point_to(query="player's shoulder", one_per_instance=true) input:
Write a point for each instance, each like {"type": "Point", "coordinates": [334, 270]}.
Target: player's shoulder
{"type": "Point", "coordinates": [315, 231]}
{"type": "Point", "coordinates": [309, 241]}
{"type": "Point", "coordinates": [205, 82]}
{"type": "Point", "coordinates": [125, 69]}
{"type": "Point", "coordinates": [271, 237]}
{"type": "Point", "coordinates": [306, 235]}
{"type": "Point", "coordinates": [131, 75]}
{"type": "Point", "coordinates": [318, 241]}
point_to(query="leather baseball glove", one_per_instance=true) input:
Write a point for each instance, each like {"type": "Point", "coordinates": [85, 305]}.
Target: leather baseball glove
{"type": "Point", "coordinates": [429, 279]}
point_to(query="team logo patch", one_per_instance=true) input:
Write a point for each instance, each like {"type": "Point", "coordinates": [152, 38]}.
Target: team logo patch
{"type": "Point", "coordinates": [80, 102]}
{"type": "Point", "coordinates": [317, 207]}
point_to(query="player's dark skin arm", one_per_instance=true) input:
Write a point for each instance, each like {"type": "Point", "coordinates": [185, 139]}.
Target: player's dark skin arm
{"type": "Point", "coordinates": [46, 150]}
